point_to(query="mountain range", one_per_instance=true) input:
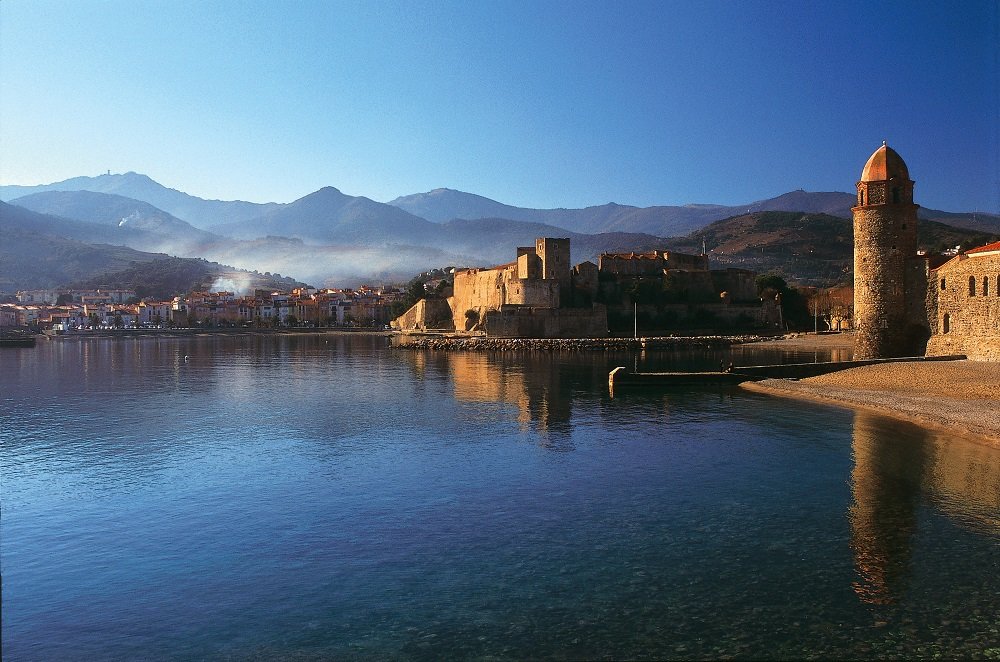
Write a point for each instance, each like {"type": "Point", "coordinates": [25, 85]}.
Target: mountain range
{"type": "Point", "coordinates": [330, 238]}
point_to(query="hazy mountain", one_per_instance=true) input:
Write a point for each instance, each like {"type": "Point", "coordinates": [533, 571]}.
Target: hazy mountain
{"type": "Point", "coordinates": [328, 216]}
{"type": "Point", "coordinates": [197, 211]}
{"type": "Point", "coordinates": [160, 230]}
{"type": "Point", "coordinates": [442, 205]}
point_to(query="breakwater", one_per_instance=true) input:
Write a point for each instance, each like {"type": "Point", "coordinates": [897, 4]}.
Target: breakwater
{"type": "Point", "coordinates": [483, 344]}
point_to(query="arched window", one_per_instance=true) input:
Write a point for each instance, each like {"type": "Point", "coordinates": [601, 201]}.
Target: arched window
{"type": "Point", "coordinates": [946, 323]}
{"type": "Point", "coordinates": [972, 286]}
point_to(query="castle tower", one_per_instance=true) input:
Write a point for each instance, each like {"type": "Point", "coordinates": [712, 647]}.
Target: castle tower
{"type": "Point", "coordinates": [885, 238]}
{"type": "Point", "coordinates": [554, 254]}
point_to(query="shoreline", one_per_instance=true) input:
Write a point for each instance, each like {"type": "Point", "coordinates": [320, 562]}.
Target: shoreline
{"type": "Point", "coordinates": [190, 332]}
{"type": "Point", "coordinates": [959, 397]}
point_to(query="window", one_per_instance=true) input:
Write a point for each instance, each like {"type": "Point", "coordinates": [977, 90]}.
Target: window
{"type": "Point", "coordinates": [972, 286]}
{"type": "Point", "coordinates": [986, 286]}
{"type": "Point", "coordinates": [942, 284]}
{"type": "Point", "coordinates": [895, 195]}
{"type": "Point", "coordinates": [946, 323]}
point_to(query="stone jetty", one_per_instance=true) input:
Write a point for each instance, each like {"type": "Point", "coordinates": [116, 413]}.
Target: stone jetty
{"type": "Point", "coordinates": [484, 344]}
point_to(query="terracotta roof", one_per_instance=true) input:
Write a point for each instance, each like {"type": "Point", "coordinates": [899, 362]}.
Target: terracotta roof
{"type": "Point", "coordinates": [883, 165]}
{"type": "Point", "coordinates": [988, 248]}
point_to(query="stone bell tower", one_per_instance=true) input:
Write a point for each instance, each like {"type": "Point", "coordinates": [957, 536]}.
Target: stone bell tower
{"type": "Point", "coordinates": [885, 243]}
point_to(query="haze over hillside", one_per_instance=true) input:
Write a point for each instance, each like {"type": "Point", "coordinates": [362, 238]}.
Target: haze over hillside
{"type": "Point", "coordinates": [330, 238]}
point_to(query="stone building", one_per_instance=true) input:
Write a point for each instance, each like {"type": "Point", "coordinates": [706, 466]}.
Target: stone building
{"type": "Point", "coordinates": [889, 310]}
{"type": "Point", "coordinates": [534, 296]}
{"type": "Point", "coordinates": [964, 305]}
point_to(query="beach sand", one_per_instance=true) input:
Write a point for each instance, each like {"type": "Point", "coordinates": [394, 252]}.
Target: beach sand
{"type": "Point", "coordinates": [962, 397]}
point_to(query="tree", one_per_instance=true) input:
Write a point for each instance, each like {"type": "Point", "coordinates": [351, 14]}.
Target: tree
{"type": "Point", "coordinates": [772, 282]}
{"type": "Point", "coordinates": [64, 298]}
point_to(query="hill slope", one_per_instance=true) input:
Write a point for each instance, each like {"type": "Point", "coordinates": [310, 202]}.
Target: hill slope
{"type": "Point", "coordinates": [35, 252]}
{"type": "Point", "coordinates": [813, 249]}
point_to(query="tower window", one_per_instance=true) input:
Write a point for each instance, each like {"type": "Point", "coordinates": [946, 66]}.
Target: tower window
{"type": "Point", "coordinates": [986, 286]}
{"type": "Point", "coordinates": [972, 286]}
{"type": "Point", "coordinates": [942, 284]}
{"type": "Point", "coordinates": [895, 194]}
{"type": "Point", "coordinates": [946, 323]}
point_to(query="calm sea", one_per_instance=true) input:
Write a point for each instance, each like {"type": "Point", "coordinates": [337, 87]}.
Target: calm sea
{"type": "Point", "coordinates": [319, 497]}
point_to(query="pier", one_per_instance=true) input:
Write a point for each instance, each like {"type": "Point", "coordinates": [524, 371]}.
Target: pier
{"type": "Point", "coordinates": [621, 377]}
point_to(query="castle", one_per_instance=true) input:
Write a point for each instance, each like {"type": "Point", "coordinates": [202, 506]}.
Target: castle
{"type": "Point", "coordinates": [908, 304]}
{"type": "Point", "coordinates": [539, 296]}
{"type": "Point", "coordinates": [532, 297]}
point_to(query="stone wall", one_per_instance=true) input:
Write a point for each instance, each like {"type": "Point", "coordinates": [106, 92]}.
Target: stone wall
{"type": "Point", "coordinates": [966, 319]}
{"type": "Point", "coordinates": [529, 322]}
{"type": "Point", "coordinates": [426, 314]}
{"type": "Point", "coordinates": [740, 284]}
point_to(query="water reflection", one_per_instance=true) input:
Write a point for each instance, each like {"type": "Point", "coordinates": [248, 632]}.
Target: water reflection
{"type": "Point", "coordinates": [897, 466]}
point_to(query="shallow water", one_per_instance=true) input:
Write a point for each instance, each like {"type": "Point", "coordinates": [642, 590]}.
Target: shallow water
{"type": "Point", "coordinates": [313, 497]}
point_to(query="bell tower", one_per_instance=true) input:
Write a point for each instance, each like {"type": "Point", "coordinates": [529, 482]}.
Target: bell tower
{"type": "Point", "coordinates": [885, 239]}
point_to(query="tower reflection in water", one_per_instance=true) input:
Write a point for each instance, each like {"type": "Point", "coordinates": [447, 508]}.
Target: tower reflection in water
{"type": "Point", "coordinates": [897, 468]}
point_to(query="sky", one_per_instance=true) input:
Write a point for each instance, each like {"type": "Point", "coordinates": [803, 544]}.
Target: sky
{"type": "Point", "coordinates": [537, 104]}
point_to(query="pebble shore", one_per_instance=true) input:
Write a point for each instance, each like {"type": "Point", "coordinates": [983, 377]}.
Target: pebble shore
{"type": "Point", "coordinates": [961, 397]}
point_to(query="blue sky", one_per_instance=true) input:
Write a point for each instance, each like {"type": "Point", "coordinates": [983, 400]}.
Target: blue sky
{"type": "Point", "coordinates": [540, 104]}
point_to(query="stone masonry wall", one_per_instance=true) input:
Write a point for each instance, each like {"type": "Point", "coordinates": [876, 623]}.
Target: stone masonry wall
{"type": "Point", "coordinates": [967, 316]}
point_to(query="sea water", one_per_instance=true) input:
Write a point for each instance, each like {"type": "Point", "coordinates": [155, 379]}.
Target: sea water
{"type": "Point", "coordinates": [323, 496]}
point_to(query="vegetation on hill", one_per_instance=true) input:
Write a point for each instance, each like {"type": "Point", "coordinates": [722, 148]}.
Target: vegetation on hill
{"type": "Point", "coordinates": [172, 276]}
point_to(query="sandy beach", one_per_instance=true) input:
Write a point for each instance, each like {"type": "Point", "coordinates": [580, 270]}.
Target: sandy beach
{"type": "Point", "coordinates": [962, 397]}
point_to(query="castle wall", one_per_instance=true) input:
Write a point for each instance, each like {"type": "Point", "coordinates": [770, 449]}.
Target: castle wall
{"type": "Point", "coordinates": [631, 264]}
{"type": "Point", "coordinates": [477, 290]}
{"type": "Point", "coordinates": [540, 293]}
{"type": "Point", "coordinates": [966, 317]}
{"type": "Point", "coordinates": [426, 314]}
{"type": "Point", "coordinates": [739, 283]}
{"type": "Point", "coordinates": [530, 322]}
{"type": "Point", "coordinates": [675, 260]}
{"type": "Point", "coordinates": [585, 277]}
{"type": "Point", "coordinates": [683, 285]}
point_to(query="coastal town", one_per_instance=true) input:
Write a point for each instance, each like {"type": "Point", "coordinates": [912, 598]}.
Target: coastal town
{"type": "Point", "coordinates": [68, 311]}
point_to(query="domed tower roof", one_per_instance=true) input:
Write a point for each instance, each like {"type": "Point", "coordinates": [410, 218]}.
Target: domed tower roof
{"type": "Point", "coordinates": [883, 165]}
